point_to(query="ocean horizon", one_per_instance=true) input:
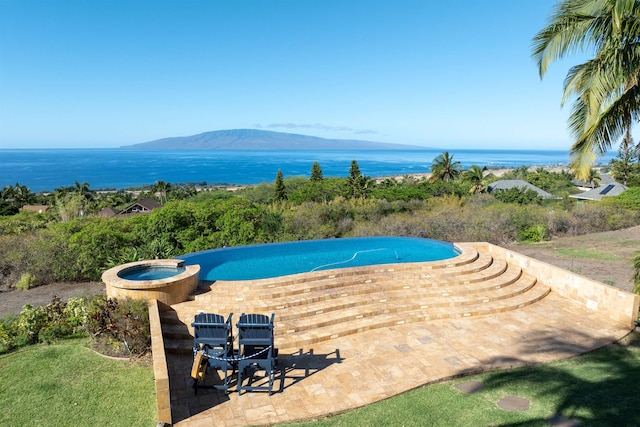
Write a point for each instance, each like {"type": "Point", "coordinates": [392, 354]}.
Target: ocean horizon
{"type": "Point", "coordinates": [47, 169]}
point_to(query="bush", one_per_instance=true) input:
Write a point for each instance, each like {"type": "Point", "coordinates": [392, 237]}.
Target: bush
{"type": "Point", "coordinates": [43, 324]}
{"type": "Point", "coordinates": [119, 327]}
{"type": "Point", "coordinates": [535, 233]}
{"type": "Point", "coordinates": [26, 281]}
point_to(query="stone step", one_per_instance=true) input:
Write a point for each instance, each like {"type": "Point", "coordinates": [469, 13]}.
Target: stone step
{"type": "Point", "coordinates": [393, 302]}
{"type": "Point", "coordinates": [179, 346]}
{"type": "Point", "coordinates": [176, 331]}
{"type": "Point", "coordinates": [246, 291]}
{"type": "Point", "coordinates": [334, 299]}
{"type": "Point", "coordinates": [286, 339]}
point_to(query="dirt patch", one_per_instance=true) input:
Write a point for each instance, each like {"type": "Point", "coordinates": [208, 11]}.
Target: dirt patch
{"type": "Point", "coordinates": [12, 301]}
{"type": "Point", "coordinates": [606, 257]}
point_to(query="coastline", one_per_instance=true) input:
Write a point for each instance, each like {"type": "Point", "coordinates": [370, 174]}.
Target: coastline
{"type": "Point", "coordinates": [497, 172]}
{"type": "Point", "coordinates": [115, 170]}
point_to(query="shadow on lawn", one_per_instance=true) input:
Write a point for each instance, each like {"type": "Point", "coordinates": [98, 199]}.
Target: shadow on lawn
{"type": "Point", "coordinates": [604, 394]}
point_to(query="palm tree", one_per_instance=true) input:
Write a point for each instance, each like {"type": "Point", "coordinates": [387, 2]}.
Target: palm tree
{"type": "Point", "coordinates": [162, 188]}
{"type": "Point", "coordinates": [593, 178]}
{"type": "Point", "coordinates": [83, 190]}
{"type": "Point", "coordinates": [444, 168]}
{"type": "Point", "coordinates": [475, 175]}
{"type": "Point", "coordinates": [606, 88]}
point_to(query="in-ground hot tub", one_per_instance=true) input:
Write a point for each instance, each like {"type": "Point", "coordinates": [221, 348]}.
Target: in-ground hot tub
{"type": "Point", "coordinates": [167, 280]}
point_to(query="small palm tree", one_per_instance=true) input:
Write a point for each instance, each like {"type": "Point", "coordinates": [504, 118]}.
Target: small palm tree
{"type": "Point", "coordinates": [475, 175]}
{"type": "Point", "coordinates": [593, 178]}
{"type": "Point", "coordinates": [444, 168]}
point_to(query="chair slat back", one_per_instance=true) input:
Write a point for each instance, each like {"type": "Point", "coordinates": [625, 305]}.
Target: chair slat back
{"type": "Point", "coordinates": [255, 329]}
{"type": "Point", "coordinates": [211, 329]}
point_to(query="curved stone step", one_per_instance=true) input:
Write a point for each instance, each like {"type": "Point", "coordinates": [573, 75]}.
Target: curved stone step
{"type": "Point", "coordinates": [255, 290]}
{"type": "Point", "coordinates": [349, 296]}
{"type": "Point", "coordinates": [394, 302]}
{"type": "Point", "coordinates": [288, 339]}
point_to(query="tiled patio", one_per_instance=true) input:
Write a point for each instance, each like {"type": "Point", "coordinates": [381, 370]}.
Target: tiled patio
{"type": "Point", "coordinates": [347, 372]}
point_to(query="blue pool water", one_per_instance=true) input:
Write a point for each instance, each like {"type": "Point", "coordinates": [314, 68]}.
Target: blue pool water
{"type": "Point", "coordinates": [281, 259]}
{"type": "Point", "coordinates": [150, 272]}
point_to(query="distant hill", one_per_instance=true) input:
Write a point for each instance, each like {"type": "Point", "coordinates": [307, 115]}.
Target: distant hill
{"type": "Point", "coordinates": [252, 139]}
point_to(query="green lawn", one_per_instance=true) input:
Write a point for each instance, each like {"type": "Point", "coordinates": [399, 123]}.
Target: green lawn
{"type": "Point", "coordinates": [597, 389]}
{"type": "Point", "coordinates": [67, 384]}
{"type": "Point", "coordinates": [586, 253]}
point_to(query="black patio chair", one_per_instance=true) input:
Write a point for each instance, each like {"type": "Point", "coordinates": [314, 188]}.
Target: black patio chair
{"type": "Point", "coordinates": [256, 351]}
{"type": "Point", "coordinates": [213, 337]}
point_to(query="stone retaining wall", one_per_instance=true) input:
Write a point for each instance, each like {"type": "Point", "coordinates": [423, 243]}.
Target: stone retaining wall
{"type": "Point", "coordinates": [160, 369]}
{"type": "Point", "coordinates": [619, 305]}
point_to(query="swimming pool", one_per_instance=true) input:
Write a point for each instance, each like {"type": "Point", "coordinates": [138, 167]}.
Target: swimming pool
{"type": "Point", "coordinates": [281, 259]}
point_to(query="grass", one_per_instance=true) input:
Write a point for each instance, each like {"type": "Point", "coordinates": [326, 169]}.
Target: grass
{"type": "Point", "coordinates": [586, 253]}
{"type": "Point", "coordinates": [596, 389]}
{"type": "Point", "coordinates": [67, 384]}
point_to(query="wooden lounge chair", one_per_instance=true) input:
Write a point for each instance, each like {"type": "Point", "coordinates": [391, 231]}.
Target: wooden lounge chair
{"type": "Point", "coordinates": [256, 351]}
{"type": "Point", "coordinates": [213, 339]}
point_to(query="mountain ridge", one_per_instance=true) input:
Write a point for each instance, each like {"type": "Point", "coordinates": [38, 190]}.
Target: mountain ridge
{"type": "Point", "coordinates": [255, 139]}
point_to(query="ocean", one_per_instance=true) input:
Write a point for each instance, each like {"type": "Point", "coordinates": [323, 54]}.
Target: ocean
{"type": "Point", "coordinates": [47, 169]}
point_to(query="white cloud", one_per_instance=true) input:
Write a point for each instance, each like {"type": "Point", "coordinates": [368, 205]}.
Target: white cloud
{"type": "Point", "coordinates": [317, 126]}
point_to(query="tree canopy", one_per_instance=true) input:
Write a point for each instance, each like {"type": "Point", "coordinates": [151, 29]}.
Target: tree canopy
{"type": "Point", "coordinates": [605, 89]}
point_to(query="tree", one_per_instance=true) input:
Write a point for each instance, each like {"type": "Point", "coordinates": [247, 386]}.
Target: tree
{"type": "Point", "coordinates": [162, 188]}
{"type": "Point", "coordinates": [444, 168]}
{"type": "Point", "coordinates": [623, 166]}
{"type": "Point", "coordinates": [82, 190]}
{"type": "Point", "coordinates": [593, 178]}
{"type": "Point", "coordinates": [605, 89]}
{"type": "Point", "coordinates": [281, 191]}
{"type": "Point", "coordinates": [316, 172]}
{"type": "Point", "coordinates": [475, 175]}
{"type": "Point", "coordinates": [357, 182]}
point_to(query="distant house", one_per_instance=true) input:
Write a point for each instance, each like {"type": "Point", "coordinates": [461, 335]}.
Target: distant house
{"type": "Point", "coordinates": [507, 184]}
{"type": "Point", "coordinates": [586, 186]}
{"type": "Point", "coordinates": [607, 190]}
{"type": "Point", "coordinates": [108, 212]}
{"type": "Point", "coordinates": [143, 206]}
{"type": "Point", "coordinates": [35, 208]}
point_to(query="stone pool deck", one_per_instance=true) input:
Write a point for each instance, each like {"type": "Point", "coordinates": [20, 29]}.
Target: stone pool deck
{"type": "Point", "coordinates": [356, 370]}
{"type": "Point", "coordinates": [320, 375]}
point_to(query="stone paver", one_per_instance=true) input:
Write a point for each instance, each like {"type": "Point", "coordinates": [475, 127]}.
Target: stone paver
{"type": "Point", "coordinates": [340, 374]}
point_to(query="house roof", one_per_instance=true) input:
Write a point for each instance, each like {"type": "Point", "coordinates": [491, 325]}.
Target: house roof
{"type": "Point", "coordinates": [506, 184]}
{"type": "Point", "coordinates": [108, 212]}
{"type": "Point", "coordinates": [603, 191]}
{"type": "Point", "coordinates": [35, 208]}
{"type": "Point", "coordinates": [604, 180]}
{"type": "Point", "coordinates": [141, 206]}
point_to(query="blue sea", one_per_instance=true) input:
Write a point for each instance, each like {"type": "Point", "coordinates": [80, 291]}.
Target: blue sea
{"type": "Point", "coordinates": [47, 169]}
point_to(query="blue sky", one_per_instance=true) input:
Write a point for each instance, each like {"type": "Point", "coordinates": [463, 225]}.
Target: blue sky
{"type": "Point", "coordinates": [89, 73]}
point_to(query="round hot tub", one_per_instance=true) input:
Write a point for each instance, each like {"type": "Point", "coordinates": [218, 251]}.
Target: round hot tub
{"type": "Point", "coordinates": [166, 280]}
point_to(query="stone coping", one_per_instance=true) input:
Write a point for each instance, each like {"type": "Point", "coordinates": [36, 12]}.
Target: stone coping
{"type": "Point", "coordinates": [111, 276]}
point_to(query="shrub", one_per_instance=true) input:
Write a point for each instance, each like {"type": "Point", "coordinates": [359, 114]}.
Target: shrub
{"type": "Point", "coordinates": [522, 196]}
{"type": "Point", "coordinates": [26, 281]}
{"type": "Point", "coordinates": [535, 233]}
{"type": "Point", "coordinates": [119, 327]}
{"type": "Point", "coordinates": [30, 322]}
